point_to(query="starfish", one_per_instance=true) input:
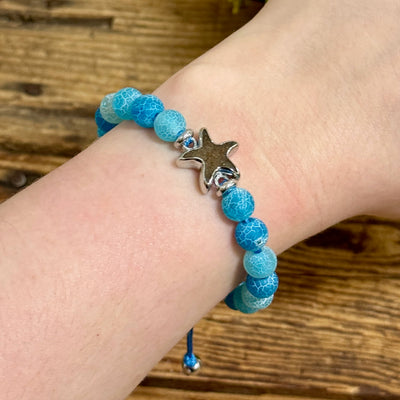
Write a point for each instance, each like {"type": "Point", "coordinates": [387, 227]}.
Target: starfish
{"type": "Point", "coordinates": [210, 158]}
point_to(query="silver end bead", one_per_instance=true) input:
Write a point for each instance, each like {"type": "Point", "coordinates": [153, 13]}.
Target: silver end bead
{"type": "Point", "coordinates": [190, 370]}
{"type": "Point", "coordinates": [182, 139]}
{"type": "Point", "coordinates": [227, 183]}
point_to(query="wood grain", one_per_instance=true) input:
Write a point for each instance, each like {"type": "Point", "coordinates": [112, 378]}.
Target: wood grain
{"type": "Point", "coordinates": [146, 393]}
{"type": "Point", "coordinates": [334, 328]}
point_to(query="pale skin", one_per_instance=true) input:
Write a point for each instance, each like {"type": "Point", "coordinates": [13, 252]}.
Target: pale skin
{"type": "Point", "coordinates": [97, 256]}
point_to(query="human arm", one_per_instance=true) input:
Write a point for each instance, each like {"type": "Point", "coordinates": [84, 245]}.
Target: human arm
{"type": "Point", "coordinates": [101, 245]}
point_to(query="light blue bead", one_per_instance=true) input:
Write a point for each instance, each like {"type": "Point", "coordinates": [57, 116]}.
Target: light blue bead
{"type": "Point", "coordinates": [229, 301]}
{"type": "Point", "coordinates": [107, 110]}
{"type": "Point", "coordinates": [237, 204]}
{"type": "Point", "coordinates": [251, 234]}
{"type": "Point", "coordinates": [255, 302]}
{"type": "Point", "coordinates": [102, 124]}
{"type": "Point", "coordinates": [238, 301]}
{"type": "Point", "coordinates": [261, 264]}
{"type": "Point", "coordinates": [169, 125]}
{"type": "Point", "coordinates": [145, 109]}
{"type": "Point", "coordinates": [122, 102]}
{"type": "Point", "coordinates": [262, 287]}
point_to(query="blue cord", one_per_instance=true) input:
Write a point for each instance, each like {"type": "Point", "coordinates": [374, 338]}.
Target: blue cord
{"type": "Point", "coordinates": [189, 342]}
{"type": "Point", "coordinates": [189, 359]}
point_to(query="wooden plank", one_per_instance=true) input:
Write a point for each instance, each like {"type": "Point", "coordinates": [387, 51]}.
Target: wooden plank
{"type": "Point", "coordinates": [146, 393]}
{"type": "Point", "coordinates": [145, 43]}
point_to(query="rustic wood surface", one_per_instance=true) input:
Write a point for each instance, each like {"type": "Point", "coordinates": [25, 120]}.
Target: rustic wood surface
{"type": "Point", "coordinates": [334, 328]}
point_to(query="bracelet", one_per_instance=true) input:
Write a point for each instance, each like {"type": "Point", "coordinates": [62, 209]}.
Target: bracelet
{"type": "Point", "coordinates": [216, 169]}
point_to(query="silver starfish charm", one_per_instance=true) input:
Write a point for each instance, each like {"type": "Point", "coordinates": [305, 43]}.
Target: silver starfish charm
{"type": "Point", "coordinates": [211, 158]}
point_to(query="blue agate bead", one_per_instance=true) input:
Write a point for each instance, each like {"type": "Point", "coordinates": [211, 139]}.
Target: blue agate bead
{"type": "Point", "coordinates": [122, 102]}
{"type": "Point", "coordinates": [102, 124]}
{"type": "Point", "coordinates": [264, 287]}
{"type": "Point", "coordinates": [107, 110]}
{"type": "Point", "coordinates": [238, 301]}
{"type": "Point", "coordinates": [169, 125]}
{"type": "Point", "coordinates": [145, 109]}
{"type": "Point", "coordinates": [237, 204]}
{"type": "Point", "coordinates": [100, 132]}
{"type": "Point", "coordinates": [260, 264]}
{"type": "Point", "coordinates": [253, 301]}
{"type": "Point", "coordinates": [229, 301]}
{"type": "Point", "coordinates": [251, 234]}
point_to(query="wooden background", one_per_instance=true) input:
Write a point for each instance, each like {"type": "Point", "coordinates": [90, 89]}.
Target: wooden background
{"type": "Point", "coordinates": [334, 328]}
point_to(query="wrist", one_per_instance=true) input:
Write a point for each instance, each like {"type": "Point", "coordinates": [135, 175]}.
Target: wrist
{"type": "Point", "coordinates": [293, 202]}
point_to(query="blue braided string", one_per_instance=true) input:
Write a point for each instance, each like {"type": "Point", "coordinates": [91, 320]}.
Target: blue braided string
{"type": "Point", "coordinates": [189, 342]}
{"type": "Point", "coordinates": [189, 358]}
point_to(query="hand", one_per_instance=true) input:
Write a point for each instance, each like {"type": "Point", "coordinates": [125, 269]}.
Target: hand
{"type": "Point", "coordinates": [310, 91]}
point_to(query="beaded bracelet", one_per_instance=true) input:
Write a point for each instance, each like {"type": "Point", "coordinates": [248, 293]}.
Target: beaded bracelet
{"type": "Point", "coordinates": [257, 291]}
